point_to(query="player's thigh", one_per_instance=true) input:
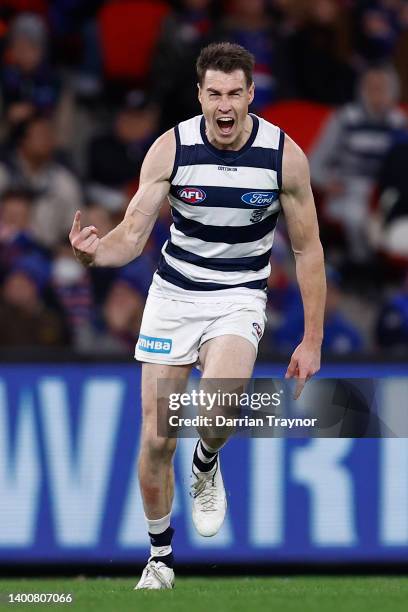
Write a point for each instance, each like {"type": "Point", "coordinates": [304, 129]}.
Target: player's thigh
{"type": "Point", "coordinates": [168, 379]}
{"type": "Point", "coordinates": [227, 356]}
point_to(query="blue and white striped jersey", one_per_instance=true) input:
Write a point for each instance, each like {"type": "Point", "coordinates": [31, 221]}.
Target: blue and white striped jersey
{"type": "Point", "coordinates": [225, 206]}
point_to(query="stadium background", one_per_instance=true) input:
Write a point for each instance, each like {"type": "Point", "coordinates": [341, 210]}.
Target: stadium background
{"type": "Point", "coordinates": [85, 89]}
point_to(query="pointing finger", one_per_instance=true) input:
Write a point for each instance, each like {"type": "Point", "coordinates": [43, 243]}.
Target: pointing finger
{"type": "Point", "coordinates": [300, 383]}
{"type": "Point", "coordinates": [76, 224]}
{"type": "Point", "coordinates": [291, 371]}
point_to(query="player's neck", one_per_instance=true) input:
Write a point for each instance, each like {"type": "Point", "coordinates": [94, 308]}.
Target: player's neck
{"type": "Point", "coordinates": [240, 141]}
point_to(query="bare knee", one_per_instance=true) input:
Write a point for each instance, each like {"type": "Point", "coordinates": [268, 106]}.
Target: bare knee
{"type": "Point", "coordinates": [158, 450]}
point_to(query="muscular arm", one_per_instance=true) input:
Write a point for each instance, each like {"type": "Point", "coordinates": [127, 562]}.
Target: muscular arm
{"type": "Point", "coordinates": [127, 240]}
{"type": "Point", "coordinates": [301, 219]}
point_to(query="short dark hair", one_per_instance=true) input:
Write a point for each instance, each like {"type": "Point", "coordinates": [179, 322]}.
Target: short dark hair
{"type": "Point", "coordinates": [226, 57]}
{"type": "Point", "coordinates": [21, 130]}
{"type": "Point", "coordinates": [16, 193]}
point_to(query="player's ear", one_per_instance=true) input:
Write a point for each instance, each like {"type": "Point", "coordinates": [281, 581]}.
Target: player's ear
{"type": "Point", "coordinates": [199, 91]}
{"type": "Point", "coordinates": [251, 93]}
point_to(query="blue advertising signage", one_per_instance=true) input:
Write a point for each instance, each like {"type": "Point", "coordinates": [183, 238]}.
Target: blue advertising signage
{"type": "Point", "coordinates": [69, 437]}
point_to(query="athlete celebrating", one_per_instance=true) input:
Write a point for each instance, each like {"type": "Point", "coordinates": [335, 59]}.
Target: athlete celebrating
{"type": "Point", "coordinates": [227, 174]}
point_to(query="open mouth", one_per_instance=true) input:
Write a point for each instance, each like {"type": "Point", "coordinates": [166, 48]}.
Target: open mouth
{"type": "Point", "coordinates": [225, 124]}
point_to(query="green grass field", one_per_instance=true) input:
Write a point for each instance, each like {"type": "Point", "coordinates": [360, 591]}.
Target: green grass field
{"type": "Point", "coordinates": [286, 594]}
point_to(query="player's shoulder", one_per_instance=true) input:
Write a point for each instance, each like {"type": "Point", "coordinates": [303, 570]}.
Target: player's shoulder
{"type": "Point", "coordinates": [269, 135]}
{"type": "Point", "coordinates": [160, 159]}
{"type": "Point", "coordinates": [189, 131]}
{"type": "Point", "coordinates": [295, 165]}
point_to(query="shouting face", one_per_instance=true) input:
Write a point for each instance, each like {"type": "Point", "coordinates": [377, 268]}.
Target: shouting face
{"type": "Point", "coordinates": [224, 99]}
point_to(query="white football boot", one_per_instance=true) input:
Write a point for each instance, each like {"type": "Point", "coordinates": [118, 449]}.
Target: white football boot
{"type": "Point", "coordinates": [156, 575]}
{"type": "Point", "coordinates": [209, 500]}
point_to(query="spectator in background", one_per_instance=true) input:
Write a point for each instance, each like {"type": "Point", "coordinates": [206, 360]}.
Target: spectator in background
{"type": "Point", "coordinates": [75, 38]}
{"type": "Point", "coordinates": [123, 309]}
{"type": "Point", "coordinates": [173, 76]}
{"type": "Point", "coordinates": [32, 166]}
{"type": "Point", "coordinates": [16, 234]}
{"type": "Point", "coordinates": [392, 324]}
{"type": "Point", "coordinates": [72, 285]}
{"type": "Point", "coordinates": [115, 158]}
{"type": "Point", "coordinates": [122, 316]}
{"type": "Point", "coordinates": [320, 52]}
{"type": "Point", "coordinates": [28, 83]}
{"type": "Point", "coordinates": [379, 25]}
{"type": "Point", "coordinates": [348, 155]}
{"type": "Point", "coordinates": [389, 219]}
{"type": "Point", "coordinates": [341, 336]}
{"type": "Point", "coordinates": [24, 318]}
{"type": "Point", "coordinates": [249, 24]}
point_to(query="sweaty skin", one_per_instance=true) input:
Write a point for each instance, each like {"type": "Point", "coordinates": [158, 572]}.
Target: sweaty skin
{"type": "Point", "coordinates": [228, 96]}
{"type": "Point", "coordinates": [128, 239]}
{"type": "Point", "coordinates": [301, 220]}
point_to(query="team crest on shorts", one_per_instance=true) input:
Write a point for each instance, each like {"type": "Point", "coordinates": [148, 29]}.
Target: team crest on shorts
{"type": "Point", "coordinates": [258, 330]}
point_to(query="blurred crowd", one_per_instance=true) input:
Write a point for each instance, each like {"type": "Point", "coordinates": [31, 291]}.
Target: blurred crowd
{"type": "Point", "coordinates": [86, 87]}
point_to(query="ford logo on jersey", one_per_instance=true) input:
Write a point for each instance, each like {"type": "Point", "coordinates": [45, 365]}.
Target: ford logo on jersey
{"type": "Point", "coordinates": [260, 198]}
{"type": "Point", "coordinates": [191, 195]}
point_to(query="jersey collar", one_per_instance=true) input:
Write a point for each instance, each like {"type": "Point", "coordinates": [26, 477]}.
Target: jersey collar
{"type": "Point", "coordinates": [225, 154]}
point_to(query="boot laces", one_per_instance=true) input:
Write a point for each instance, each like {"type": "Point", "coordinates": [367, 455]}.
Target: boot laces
{"type": "Point", "coordinates": [205, 491]}
{"type": "Point", "coordinates": [151, 573]}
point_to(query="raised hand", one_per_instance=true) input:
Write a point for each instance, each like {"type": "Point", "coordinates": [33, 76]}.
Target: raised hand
{"type": "Point", "coordinates": [84, 241]}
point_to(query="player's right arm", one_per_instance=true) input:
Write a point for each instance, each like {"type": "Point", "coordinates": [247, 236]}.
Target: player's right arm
{"type": "Point", "coordinates": [127, 240]}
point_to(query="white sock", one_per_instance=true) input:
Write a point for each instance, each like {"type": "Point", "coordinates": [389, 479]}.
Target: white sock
{"type": "Point", "coordinates": [201, 455]}
{"type": "Point", "coordinates": [160, 551]}
{"type": "Point", "coordinates": [158, 525]}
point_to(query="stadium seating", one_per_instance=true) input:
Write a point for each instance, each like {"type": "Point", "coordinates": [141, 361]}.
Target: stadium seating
{"type": "Point", "coordinates": [300, 119]}
{"type": "Point", "coordinates": [136, 24]}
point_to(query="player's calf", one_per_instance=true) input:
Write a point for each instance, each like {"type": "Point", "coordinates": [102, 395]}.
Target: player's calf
{"type": "Point", "coordinates": [155, 477]}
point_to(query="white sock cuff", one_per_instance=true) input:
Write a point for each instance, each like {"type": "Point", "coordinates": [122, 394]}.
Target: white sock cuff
{"type": "Point", "coordinates": [158, 525]}
{"type": "Point", "coordinates": [160, 551]}
{"type": "Point", "coordinates": [209, 448]}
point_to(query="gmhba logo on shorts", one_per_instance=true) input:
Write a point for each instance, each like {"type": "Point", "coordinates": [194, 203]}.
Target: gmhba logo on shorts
{"type": "Point", "coordinates": [149, 344]}
{"type": "Point", "coordinates": [191, 195]}
{"type": "Point", "coordinates": [260, 198]}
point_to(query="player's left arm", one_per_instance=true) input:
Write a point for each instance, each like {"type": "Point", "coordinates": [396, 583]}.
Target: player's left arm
{"type": "Point", "coordinates": [301, 219]}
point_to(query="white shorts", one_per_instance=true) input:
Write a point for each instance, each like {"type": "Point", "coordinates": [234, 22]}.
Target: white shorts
{"type": "Point", "coordinates": [174, 327]}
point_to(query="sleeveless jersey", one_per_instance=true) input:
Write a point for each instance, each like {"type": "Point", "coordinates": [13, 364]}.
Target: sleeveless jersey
{"type": "Point", "coordinates": [225, 206]}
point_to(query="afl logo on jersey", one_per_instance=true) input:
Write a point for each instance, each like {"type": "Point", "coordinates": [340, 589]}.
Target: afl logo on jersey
{"type": "Point", "coordinates": [260, 198]}
{"type": "Point", "coordinates": [191, 195]}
